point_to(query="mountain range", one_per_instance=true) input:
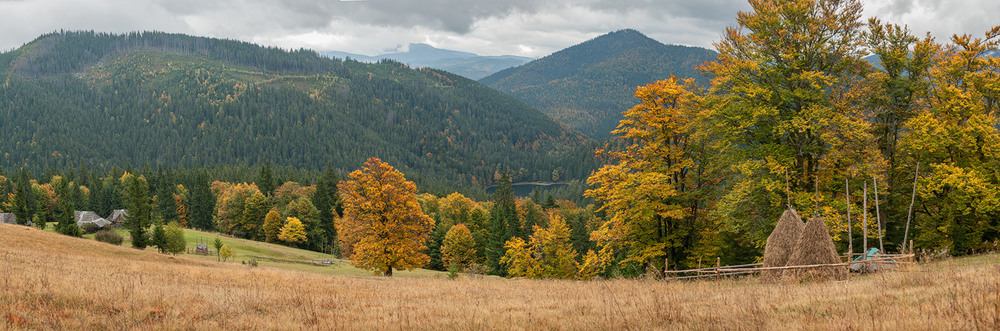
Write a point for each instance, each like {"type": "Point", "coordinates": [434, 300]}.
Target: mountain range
{"type": "Point", "coordinates": [469, 65]}
{"type": "Point", "coordinates": [587, 86]}
{"type": "Point", "coordinates": [175, 100]}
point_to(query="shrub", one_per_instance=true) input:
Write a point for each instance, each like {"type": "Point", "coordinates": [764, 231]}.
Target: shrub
{"type": "Point", "coordinates": [225, 253]}
{"type": "Point", "coordinates": [109, 236]}
{"type": "Point", "coordinates": [174, 238]}
{"type": "Point", "coordinates": [88, 228]}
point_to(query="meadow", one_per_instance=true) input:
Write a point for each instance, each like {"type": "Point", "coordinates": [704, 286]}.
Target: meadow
{"type": "Point", "coordinates": [52, 281]}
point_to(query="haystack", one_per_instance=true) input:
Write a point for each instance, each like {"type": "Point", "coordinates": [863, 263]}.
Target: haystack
{"type": "Point", "coordinates": [816, 247]}
{"type": "Point", "coordinates": [781, 243]}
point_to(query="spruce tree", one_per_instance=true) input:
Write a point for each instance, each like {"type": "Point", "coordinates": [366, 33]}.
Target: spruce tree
{"type": "Point", "coordinates": [503, 225]}
{"type": "Point", "coordinates": [265, 180]}
{"type": "Point", "coordinates": [159, 238]}
{"type": "Point", "coordinates": [139, 209]}
{"type": "Point", "coordinates": [202, 203]}
{"type": "Point", "coordinates": [166, 206]}
{"type": "Point", "coordinates": [327, 201]}
{"type": "Point", "coordinates": [24, 200]}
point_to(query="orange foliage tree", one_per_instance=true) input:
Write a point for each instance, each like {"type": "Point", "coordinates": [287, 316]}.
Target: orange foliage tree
{"type": "Point", "coordinates": [383, 226]}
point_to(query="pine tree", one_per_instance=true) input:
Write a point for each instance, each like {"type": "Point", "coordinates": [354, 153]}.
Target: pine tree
{"type": "Point", "coordinates": [327, 201]}
{"type": "Point", "coordinates": [202, 203]}
{"type": "Point", "coordinates": [24, 200]}
{"type": "Point", "coordinates": [166, 206]}
{"type": "Point", "coordinates": [159, 237]}
{"type": "Point", "coordinates": [139, 209]}
{"type": "Point", "coordinates": [503, 224]}
{"type": "Point", "coordinates": [265, 180]}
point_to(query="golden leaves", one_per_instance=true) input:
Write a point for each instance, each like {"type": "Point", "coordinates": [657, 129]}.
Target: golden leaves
{"type": "Point", "coordinates": [383, 226]}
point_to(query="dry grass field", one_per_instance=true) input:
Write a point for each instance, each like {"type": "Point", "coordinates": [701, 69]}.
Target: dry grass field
{"type": "Point", "coordinates": [49, 281]}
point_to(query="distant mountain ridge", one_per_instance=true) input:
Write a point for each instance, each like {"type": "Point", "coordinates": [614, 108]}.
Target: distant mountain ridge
{"type": "Point", "coordinates": [587, 86]}
{"type": "Point", "coordinates": [175, 100]}
{"type": "Point", "coordinates": [465, 64]}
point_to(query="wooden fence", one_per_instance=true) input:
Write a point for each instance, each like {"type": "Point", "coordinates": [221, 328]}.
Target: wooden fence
{"type": "Point", "coordinates": [746, 269]}
{"type": "Point", "coordinates": [315, 263]}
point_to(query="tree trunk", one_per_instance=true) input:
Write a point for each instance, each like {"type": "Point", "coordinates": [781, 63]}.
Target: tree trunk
{"type": "Point", "coordinates": [388, 272]}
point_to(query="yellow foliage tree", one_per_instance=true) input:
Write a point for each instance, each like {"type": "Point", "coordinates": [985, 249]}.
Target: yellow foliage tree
{"type": "Point", "coordinates": [654, 194]}
{"type": "Point", "coordinates": [786, 102]}
{"type": "Point", "coordinates": [383, 226]}
{"type": "Point", "coordinates": [272, 226]}
{"type": "Point", "coordinates": [459, 247]}
{"type": "Point", "coordinates": [549, 254]}
{"type": "Point", "coordinates": [293, 232]}
{"type": "Point", "coordinates": [956, 136]}
{"type": "Point", "coordinates": [519, 260]}
{"type": "Point", "coordinates": [183, 205]}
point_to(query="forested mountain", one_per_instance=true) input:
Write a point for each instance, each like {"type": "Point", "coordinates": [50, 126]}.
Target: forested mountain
{"type": "Point", "coordinates": [468, 65]}
{"type": "Point", "coordinates": [587, 86]}
{"type": "Point", "coordinates": [175, 100]}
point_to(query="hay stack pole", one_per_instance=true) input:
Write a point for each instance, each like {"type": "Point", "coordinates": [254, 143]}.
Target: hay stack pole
{"type": "Point", "coordinates": [878, 216]}
{"type": "Point", "coordinates": [782, 241]}
{"type": "Point", "coordinates": [816, 247]}
{"type": "Point", "coordinates": [864, 222]}
{"type": "Point", "coordinates": [850, 239]}
{"type": "Point", "coordinates": [909, 213]}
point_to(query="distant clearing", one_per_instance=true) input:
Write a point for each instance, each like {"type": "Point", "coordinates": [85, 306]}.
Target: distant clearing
{"type": "Point", "coordinates": [55, 282]}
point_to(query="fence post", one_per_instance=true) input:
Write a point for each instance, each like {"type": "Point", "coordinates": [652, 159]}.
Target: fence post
{"type": "Point", "coordinates": [718, 265]}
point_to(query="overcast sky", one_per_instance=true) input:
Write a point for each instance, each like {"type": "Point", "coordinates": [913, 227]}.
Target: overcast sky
{"type": "Point", "coordinates": [531, 28]}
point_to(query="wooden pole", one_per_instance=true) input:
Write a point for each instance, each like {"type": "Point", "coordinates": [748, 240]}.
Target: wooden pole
{"type": "Point", "coordinates": [864, 220]}
{"type": "Point", "coordinates": [913, 196]}
{"type": "Point", "coordinates": [878, 216]}
{"type": "Point", "coordinates": [816, 197]}
{"type": "Point", "coordinates": [718, 265]}
{"type": "Point", "coordinates": [788, 191]}
{"type": "Point", "coordinates": [850, 239]}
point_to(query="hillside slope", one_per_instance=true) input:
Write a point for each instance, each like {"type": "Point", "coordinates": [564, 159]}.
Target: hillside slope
{"type": "Point", "coordinates": [55, 282]}
{"type": "Point", "coordinates": [175, 100]}
{"type": "Point", "coordinates": [587, 86]}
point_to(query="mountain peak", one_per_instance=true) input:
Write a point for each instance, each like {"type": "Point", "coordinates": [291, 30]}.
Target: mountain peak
{"type": "Point", "coordinates": [587, 86]}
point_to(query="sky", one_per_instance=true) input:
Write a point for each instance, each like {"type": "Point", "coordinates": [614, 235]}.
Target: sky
{"type": "Point", "coordinates": [532, 28]}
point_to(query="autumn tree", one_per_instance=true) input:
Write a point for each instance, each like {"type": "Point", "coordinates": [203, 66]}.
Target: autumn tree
{"type": "Point", "coordinates": [785, 102]}
{"type": "Point", "coordinates": [655, 193]}
{"type": "Point", "coordinates": [549, 254]}
{"type": "Point", "coordinates": [383, 223]}
{"type": "Point", "coordinates": [956, 137]}
{"type": "Point", "coordinates": [898, 92]}
{"type": "Point", "coordinates": [272, 226]}
{"type": "Point", "coordinates": [225, 253]}
{"type": "Point", "coordinates": [459, 248]}
{"type": "Point", "coordinates": [254, 211]}
{"type": "Point", "coordinates": [293, 232]}
{"type": "Point", "coordinates": [183, 202]}
{"type": "Point", "coordinates": [232, 208]}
